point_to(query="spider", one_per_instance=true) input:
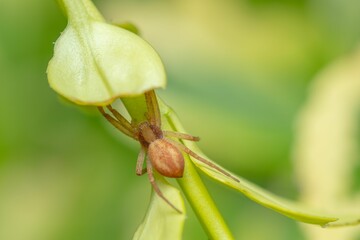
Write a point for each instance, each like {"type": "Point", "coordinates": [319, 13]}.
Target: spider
{"type": "Point", "coordinates": [161, 153]}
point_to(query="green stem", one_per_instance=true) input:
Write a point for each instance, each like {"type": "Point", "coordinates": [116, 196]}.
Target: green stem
{"type": "Point", "coordinates": [203, 204]}
{"type": "Point", "coordinates": [191, 184]}
{"type": "Point", "coordinates": [80, 11]}
{"type": "Point", "coordinates": [136, 107]}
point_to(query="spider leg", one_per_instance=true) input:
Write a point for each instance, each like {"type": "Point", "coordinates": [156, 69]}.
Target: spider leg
{"type": "Point", "coordinates": [120, 118]}
{"type": "Point", "coordinates": [122, 126]}
{"type": "Point", "coordinates": [156, 187]}
{"type": "Point", "coordinates": [181, 136]}
{"type": "Point", "coordinates": [153, 116]}
{"type": "Point", "coordinates": [201, 159]}
{"type": "Point", "coordinates": [140, 162]}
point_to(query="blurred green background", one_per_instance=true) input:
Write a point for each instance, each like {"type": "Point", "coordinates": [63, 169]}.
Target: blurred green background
{"type": "Point", "coordinates": [238, 74]}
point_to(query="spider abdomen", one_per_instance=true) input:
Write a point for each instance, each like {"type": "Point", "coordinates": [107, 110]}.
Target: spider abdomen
{"type": "Point", "coordinates": [166, 158]}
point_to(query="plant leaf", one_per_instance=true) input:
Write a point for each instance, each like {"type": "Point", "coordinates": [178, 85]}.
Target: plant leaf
{"type": "Point", "coordinates": [291, 209]}
{"type": "Point", "coordinates": [161, 220]}
{"type": "Point", "coordinates": [95, 62]}
{"type": "Point", "coordinates": [326, 146]}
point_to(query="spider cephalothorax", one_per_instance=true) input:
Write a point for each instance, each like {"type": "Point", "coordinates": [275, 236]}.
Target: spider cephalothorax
{"type": "Point", "coordinates": [161, 153]}
{"type": "Point", "coordinates": [147, 133]}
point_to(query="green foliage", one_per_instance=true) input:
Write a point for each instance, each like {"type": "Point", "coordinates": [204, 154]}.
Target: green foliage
{"type": "Point", "coordinates": [238, 79]}
{"type": "Point", "coordinates": [161, 222]}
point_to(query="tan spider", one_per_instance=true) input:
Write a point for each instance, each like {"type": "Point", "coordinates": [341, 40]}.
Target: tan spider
{"type": "Point", "coordinates": [163, 154]}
